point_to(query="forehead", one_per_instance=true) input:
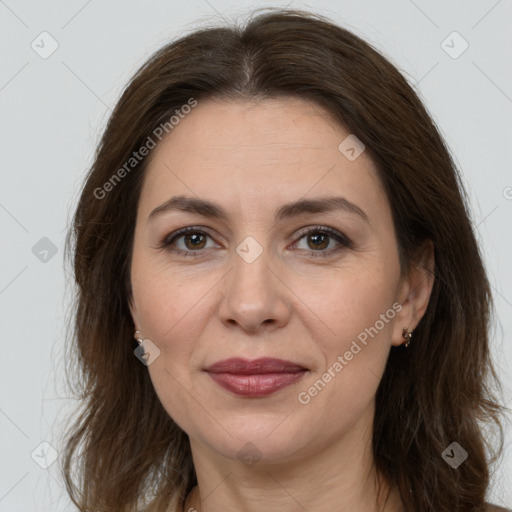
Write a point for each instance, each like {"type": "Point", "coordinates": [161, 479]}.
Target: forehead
{"type": "Point", "coordinates": [249, 153]}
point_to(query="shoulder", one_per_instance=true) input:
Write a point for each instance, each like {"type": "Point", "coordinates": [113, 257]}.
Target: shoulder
{"type": "Point", "coordinates": [494, 508]}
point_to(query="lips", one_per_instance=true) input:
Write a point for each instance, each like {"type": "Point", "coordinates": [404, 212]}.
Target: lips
{"type": "Point", "coordinates": [257, 378]}
{"type": "Point", "coordinates": [241, 366]}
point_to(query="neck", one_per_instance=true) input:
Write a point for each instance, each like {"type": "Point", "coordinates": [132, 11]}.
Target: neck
{"type": "Point", "coordinates": [340, 475]}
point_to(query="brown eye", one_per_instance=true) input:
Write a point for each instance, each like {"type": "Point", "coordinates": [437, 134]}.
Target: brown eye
{"type": "Point", "coordinates": [319, 241]}
{"type": "Point", "coordinates": [319, 238]}
{"type": "Point", "coordinates": [193, 241]}
{"type": "Point", "coordinates": [187, 242]}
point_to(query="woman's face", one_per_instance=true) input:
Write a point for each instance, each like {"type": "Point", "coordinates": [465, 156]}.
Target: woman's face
{"type": "Point", "coordinates": [254, 284]}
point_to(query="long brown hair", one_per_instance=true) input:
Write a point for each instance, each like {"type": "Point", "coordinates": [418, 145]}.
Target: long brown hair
{"type": "Point", "coordinates": [124, 448]}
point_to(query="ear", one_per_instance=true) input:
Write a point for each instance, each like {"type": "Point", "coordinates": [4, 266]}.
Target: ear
{"type": "Point", "coordinates": [414, 292]}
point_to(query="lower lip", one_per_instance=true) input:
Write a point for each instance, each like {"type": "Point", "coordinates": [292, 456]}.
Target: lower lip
{"type": "Point", "coordinates": [255, 385]}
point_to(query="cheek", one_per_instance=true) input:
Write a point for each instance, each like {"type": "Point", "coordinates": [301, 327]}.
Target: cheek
{"type": "Point", "coordinates": [170, 312]}
{"type": "Point", "coordinates": [349, 302]}
{"type": "Point", "coordinates": [162, 296]}
{"type": "Point", "coordinates": [343, 391]}
{"type": "Point", "coordinates": [357, 311]}
{"type": "Point", "coordinates": [172, 309]}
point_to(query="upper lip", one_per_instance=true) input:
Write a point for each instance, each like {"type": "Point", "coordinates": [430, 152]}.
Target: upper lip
{"type": "Point", "coordinates": [239, 366]}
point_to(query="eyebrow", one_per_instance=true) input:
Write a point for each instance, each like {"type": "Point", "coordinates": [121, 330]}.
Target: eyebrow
{"type": "Point", "coordinates": [209, 209]}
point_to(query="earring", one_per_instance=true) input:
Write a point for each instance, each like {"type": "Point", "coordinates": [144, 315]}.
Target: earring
{"type": "Point", "coordinates": [407, 336]}
{"type": "Point", "coordinates": [138, 336]}
{"type": "Point", "coordinates": [140, 340]}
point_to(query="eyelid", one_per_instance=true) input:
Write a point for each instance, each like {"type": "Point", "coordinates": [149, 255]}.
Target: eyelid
{"type": "Point", "coordinates": [183, 231]}
{"type": "Point", "coordinates": [341, 237]}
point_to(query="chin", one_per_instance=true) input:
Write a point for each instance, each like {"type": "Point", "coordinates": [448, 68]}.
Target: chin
{"type": "Point", "coordinates": [256, 440]}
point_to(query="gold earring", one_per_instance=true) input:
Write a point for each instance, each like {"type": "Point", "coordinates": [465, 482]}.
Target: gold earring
{"type": "Point", "coordinates": [407, 336]}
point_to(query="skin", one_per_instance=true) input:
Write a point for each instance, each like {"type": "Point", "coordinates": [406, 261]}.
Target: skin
{"type": "Point", "coordinates": [251, 157]}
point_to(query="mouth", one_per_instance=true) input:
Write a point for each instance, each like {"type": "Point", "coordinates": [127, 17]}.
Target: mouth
{"type": "Point", "coordinates": [257, 378]}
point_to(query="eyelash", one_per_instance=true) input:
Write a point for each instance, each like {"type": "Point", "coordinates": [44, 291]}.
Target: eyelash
{"type": "Point", "coordinates": [324, 230]}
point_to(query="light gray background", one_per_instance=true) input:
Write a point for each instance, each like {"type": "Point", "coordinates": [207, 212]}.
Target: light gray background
{"type": "Point", "coordinates": [53, 111]}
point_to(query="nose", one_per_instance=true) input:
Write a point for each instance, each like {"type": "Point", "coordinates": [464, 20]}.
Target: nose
{"type": "Point", "coordinates": [255, 296]}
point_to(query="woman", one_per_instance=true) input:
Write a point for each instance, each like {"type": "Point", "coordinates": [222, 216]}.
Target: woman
{"type": "Point", "coordinates": [282, 304]}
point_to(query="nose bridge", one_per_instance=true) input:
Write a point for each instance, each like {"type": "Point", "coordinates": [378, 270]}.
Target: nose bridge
{"type": "Point", "coordinates": [253, 294]}
{"type": "Point", "coordinates": [251, 262]}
